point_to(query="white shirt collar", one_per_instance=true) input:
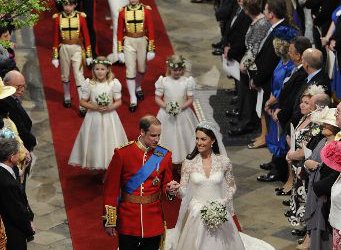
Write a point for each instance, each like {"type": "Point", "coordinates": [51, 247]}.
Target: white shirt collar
{"type": "Point", "coordinates": [276, 24]}
{"type": "Point", "coordinates": [311, 75]}
{"type": "Point", "coordinates": [9, 169]}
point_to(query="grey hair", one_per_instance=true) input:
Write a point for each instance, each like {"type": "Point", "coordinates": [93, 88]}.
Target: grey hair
{"type": "Point", "coordinates": [8, 147]}
{"type": "Point", "coordinates": [7, 79]}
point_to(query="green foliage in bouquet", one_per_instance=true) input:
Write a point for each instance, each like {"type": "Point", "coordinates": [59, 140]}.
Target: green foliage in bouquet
{"type": "Point", "coordinates": [103, 99]}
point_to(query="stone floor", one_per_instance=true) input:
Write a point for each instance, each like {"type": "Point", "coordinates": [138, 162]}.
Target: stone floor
{"type": "Point", "coordinates": [191, 28]}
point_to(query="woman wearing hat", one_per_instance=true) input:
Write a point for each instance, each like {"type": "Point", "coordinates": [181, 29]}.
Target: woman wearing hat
{"type": "Point", "coordinates": [331, 156]}
{"type": "Point", "coordinates": [320, 180]}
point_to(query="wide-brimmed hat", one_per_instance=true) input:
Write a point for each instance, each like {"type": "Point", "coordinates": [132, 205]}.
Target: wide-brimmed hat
{"type": "Point", "coordinates": [325, 115]}
{"type": "Point", "coordinates": [331, 155]}
{"type": "Point", "coordinates": [6, 91]}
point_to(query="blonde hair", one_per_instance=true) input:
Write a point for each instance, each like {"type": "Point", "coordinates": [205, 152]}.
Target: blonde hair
{"type": "Point", "coordinates": [175, 61]}
{"type": "Point", "coordinates": [110, 75]}
{"type": "Point", "coordinates": [281, 47]}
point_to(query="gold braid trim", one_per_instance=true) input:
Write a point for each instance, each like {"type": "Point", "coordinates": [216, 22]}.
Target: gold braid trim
{"type": "Point", "coordinates": [151, 45]}
{"type": "Point", "coordinates": [119, 47]}
{"type": "Point", "coordinates": [55, 53]}
{"type": "Point", "coordinates": [88, 52]}
{"type": "Point", "coordinates": [110, 216]}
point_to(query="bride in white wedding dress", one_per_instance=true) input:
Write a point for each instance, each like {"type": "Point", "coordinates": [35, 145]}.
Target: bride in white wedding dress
{"type": "Point", "coordinates": [207, 176]}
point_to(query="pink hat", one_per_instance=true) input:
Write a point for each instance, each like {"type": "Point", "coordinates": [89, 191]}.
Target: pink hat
{"type": "Point", "coordinates": [331, 155]}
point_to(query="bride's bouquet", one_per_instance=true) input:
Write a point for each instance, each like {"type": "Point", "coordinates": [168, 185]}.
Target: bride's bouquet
{"type": "Point", "coordinates": [173, 108]}
{"type": "Point", "coordinates": [103, 99]}
{"type": "Point", "coordinates": [213, 214]}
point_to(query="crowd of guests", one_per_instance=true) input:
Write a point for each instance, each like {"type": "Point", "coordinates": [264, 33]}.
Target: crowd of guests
{"type": "Point", "coordinates": [289, 85]}
{"type": "Point", "coordinates": [283, 49]}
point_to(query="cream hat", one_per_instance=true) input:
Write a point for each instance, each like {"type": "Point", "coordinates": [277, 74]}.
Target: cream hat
{"type": "Point", "coordinates": [6, 91]}
{"type": "Point", "coordinates": [325, 115]}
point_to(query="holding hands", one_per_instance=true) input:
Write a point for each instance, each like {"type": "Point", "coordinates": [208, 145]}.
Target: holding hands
{"type": "Point", "coordinates": [172, 187]}
{"type": "Point", "coordinates": [55, 63]}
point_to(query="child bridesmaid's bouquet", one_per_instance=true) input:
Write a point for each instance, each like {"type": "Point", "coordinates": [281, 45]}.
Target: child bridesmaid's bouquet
{"type": "Point", "coordinates": [213, 214]}
{"type": "Point", "coordinates": [173, 108]}
{"type": "Point", "coordinates": [103, 99]}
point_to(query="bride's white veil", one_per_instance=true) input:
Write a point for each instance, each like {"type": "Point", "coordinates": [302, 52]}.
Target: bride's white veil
{"type": "Point", "coordinates": [174, 234]}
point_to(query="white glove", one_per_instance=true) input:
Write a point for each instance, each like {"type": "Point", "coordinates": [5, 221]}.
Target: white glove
{"type": "Point", "coordinates": [55, 63]}
{"type": "Point", "coordinates": [88, 61]}
{"type": "Point", "coordinates": [111, 58]}
{"type": "Point", "coordinates": [150, 55]}
{"type": "Point", "coordinates": [121, 57]}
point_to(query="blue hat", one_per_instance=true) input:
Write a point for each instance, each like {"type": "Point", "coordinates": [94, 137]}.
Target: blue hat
{"type": "Point", "coordinates": [286, 33]}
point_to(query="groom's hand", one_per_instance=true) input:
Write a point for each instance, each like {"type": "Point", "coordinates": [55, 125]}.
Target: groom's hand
{"type": "Point", "coordinates": [172, 187]}
{"type": "Point", "coordinates": [111, 231]}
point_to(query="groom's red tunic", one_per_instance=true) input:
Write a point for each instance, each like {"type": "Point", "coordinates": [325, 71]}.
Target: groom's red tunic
{"type": "Point", "coordinates": [144, 220]}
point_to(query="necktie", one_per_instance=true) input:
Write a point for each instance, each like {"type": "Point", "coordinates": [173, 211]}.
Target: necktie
{"type": "Point", "coordinates": [235, 17]}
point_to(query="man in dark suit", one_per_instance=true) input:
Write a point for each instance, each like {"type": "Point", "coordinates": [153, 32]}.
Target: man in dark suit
{"type": "Point", "coordinates": [18, 115]}
{"type": "Point", "coordinates": [14, 209]}
{"type": "Point", "coordinates": [288, 95]}
{"type": "Point", "coordinates": [266, 61]}
{"type": "Point", "coordinates": [234, 34]}
{"type": "Point", "coordinates": [312, 61]}
{"type": "Point", "coordinates": [12, 105]}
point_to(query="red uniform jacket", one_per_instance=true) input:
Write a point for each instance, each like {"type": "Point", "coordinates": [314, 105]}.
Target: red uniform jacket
{"type": "Point", "coordinates": [148, 26]}
{"type": "Point", "coordinates": [71, 32]}
{"type": "Point", "coordinates": [136, 219]}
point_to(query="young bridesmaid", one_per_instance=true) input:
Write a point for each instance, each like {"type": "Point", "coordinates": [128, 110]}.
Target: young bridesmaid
{"type": "Point", "coordinates": [102, 130]}
{"type": "Point", "coordinates": [174, 95]}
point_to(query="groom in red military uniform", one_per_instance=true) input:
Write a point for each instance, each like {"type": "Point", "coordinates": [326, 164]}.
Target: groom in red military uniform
{"type": "Point", "coordinates": [135, 27]}
{"type": "Point", "coordinates": [137, 176]}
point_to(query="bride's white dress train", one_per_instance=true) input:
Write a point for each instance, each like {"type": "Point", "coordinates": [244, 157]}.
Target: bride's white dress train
{"type": "Point", "coordinates": [196, 190]}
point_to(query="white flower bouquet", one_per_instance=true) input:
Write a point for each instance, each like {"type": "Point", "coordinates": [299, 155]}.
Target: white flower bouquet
{"type": "Point", "coordinates": [103, 99]}
{"type": "Point", "coordinates": [213, 214]}
{"type": "Point", "coordinates": [173, 108]}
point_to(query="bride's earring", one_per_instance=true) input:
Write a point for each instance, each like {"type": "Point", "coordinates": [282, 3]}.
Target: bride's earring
{"type": "Point", "coordinates": [212, 145]}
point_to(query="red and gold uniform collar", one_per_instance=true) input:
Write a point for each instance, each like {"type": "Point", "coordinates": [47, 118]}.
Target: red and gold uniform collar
{"type": "Point", "coordinates": [72, 14]}
{"type": "Point", "coordinates": [134, 6]}
{"type": "Point", "coordinates": [141, 146]}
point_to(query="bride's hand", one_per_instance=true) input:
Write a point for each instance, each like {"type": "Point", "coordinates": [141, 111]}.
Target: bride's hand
{"type": "Point", "coordinates": [172, 187]}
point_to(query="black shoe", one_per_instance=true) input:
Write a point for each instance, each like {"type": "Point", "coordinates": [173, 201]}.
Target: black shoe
{"type": "Point", "coordinates": [267, 178]}
{"type": "Point", "coordinates": [300, 241]}
{"type": "Point", "coordinates": [283, 193]}
{"type": "Point", "coordinates": [82, 112]}
{"type": "Point", "coordinates": [139, 95]}
{"type": "Point", "coordinates": [234, 100]}
{"type": "Point", "coordinates": [232, 112]}
{"type": "Point", "coordinates": [67, 103]}
{"type": "Point", "coordinates": [286, 203]}
{"type": "Point", "coordinates": [132, 107]}
{"type": "Point", "coordinates": [299, 232]}
{"type": "Point", "coordinates": [278, 189]}
{"type": "Point", "coordinates": [231, 91]}
{"type": "Point", "coordinates": [288, 214]}
{"type": "Point", "coordinates": [218, 52]}
{"type": "Point", "coordinates": [239, 131]}
{"type": "Point", "coordinates": [266, 166]}
{"type": "Point", "coordinates": [217, 45]}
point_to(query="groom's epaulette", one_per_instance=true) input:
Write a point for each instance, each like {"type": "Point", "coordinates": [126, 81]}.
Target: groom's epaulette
{"type": "Point", "coordinates": [163, 147]}
{"type": "Point", "coordinates": [127, 144]}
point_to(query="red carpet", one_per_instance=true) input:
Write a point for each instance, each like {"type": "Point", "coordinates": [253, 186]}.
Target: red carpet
{"type": "Point", "coordinates": [81, 189]}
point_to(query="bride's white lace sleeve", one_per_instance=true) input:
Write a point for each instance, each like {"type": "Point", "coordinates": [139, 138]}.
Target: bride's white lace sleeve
{"type": "Point", "coordinates": [185, 173]}
{"type": "Point", "coordinates": [230, 185]}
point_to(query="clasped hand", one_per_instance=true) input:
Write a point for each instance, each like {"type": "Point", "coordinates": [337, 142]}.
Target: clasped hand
{"type": "Point", "coordinates": [172, 187]}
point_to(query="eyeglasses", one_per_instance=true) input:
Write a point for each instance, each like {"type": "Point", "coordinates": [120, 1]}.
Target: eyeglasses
{"type": "Point", "coordinates": [20, 86]}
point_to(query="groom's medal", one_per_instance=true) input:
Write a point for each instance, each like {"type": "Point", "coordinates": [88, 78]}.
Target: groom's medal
{"type": "Point", "coordinates": [156, 180]}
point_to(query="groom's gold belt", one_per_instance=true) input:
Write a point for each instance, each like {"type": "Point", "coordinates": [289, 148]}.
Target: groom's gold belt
{"type": "Point", "coordinates": [141, 199]}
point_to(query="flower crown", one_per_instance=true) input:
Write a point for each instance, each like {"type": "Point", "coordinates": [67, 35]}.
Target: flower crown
{"type": "Point", "coordinates": [105, 62]}
{"type": "Point", "coordinates": [64, 2]}
{"type": "Point", "coordinates": [175, 65]}
{"type": "Point", "coordinates": [285, 33]}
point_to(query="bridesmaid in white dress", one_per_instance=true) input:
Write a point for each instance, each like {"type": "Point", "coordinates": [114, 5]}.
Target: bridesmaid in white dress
{"type": "Point", "coordinates": [102, 130]}
{"type": "Point", "coordinates": [178, 125]}
{"type": "Point", "coordinates": [207, 176]}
